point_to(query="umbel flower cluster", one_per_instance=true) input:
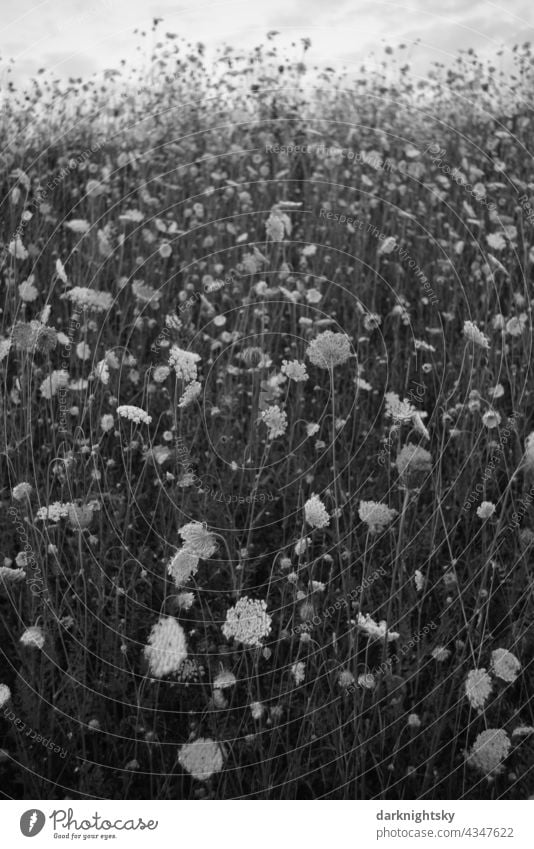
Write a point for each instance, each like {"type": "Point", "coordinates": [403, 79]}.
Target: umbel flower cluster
{"type": "Point", "coordinates": [166, 649]}
{"type": "Point", "coordinates": [202, 758]}
{"type": "Point", "coordinates": [329, 349]}
{"type": "Point", "coordinates": [489, 750]}
{"type": "Point", "coordinates": [199, 544]}
{"type": "Point", "coordinates": [248, 622]}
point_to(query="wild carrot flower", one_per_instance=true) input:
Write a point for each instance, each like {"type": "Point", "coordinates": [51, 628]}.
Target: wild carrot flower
{"type": "Point", "coordinates": [515, 326]}
{"type": "Point", "coordinates": [247, 622]}
{"type": "Point", "coordinates": [301, 546]}
{"type": "Point", "coordinates": [376, 630]}
{"type": "Point", "coordinates": [22, 491]}
{"type": "Point", "coordinates": [183, 566]}
{"type": "Point", "coordinates": [202, 758]}
{"type": "Point", "coordinates": [418, 580]}
{"type": "Point", "coordinates": [134, 414]}
{"type": "Point", "coordinates": [473, 334]}
{"type": "Point", "coordinates": [505, 665]}
{"type": "Point", "coordinates": [329, 349]}
{"type": "Point", "coordinates": [185, 600]}
{"type": "Point", "coordinates": [257, 709]}
{"type": "Point", "coordinates": [298, 671]}
{"type": "Point", "coordinates": [413, 462]}
{"type": "Point", "coordinates": [87, 298]}
{"type": "Point", "coordinates": [161, 373]}
{"type": "Point", "coordinates": [5, 695]}
{"type": "Point", "coordinates": [528, 457]}
{"type": "Point", "coordinates": [107, 422]}
{"type": "Point", "coordinates": [276, 224]}
{"type": "Point", "coordinates": [190, 394]}
{"type": "Point", "coordinates": [486, 510]}
{"type": "Point", "coordinates": [224, 680]}
{"type": "Point", "coordinates": [376, 516]}
{"type": "Point", "coordinates": [184, 363]}
{"type": "Point", "coordinates": [294, 370]}
{"type": "Point", "coordinates": [345, 679]}
{"type": "Point", "coordinates": [441, 654]}
{"type": "Point", "coordinates": [275, 419]}
{"type": "Point", "coordinates": [166, 647]}
{"type": "Point", "coordinates": [33, 637]}
{"type": "Point", "coordinates": [101, 372]}
{"type": "Point", "coordinates": [477, 688]}
{"type": "Point", "coordinates": [54, 512]}
{"type": "Point", "coordinates": [27, 291]}
{"type": "Point", "coordinates": [11, 576]}
{"type": "Point", "coordinates": [316, 513]}
{"type": "Point", "coordinates": [489, 750]}
{"type": "Point", "coordinates": [50, 385]}
{"type": "Point", "coordinates": [399, 411]}
{"type": "Point", "coordinates": [78, 225]}
{"type": "Point", "coordinates": [198, 540]}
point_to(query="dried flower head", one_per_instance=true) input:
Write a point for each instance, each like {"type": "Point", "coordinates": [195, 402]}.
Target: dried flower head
{"type": "Point", "coordinates": [329, 349]}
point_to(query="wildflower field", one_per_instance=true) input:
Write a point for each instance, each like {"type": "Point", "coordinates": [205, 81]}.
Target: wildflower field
{"type": "Point", "coordinates": [267, 463]}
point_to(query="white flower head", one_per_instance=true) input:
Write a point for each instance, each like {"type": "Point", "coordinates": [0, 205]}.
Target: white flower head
{"type": "Point", "coordinates": [33, 637]}
{"type": "Point", "coordinates": [316, 513]}
{"type": "Point", "coordinates": [133, 414]}
{"type": "Point", "coordinates": [166, 648]}
{"type": "Point", "coordinates": [478, 687]}
{"type": "Point", "coordinates": [376, 630]}
{"type": "Point", "coordinates": [298, 671]}
{"type": "Point", "coordinates": [275, 419]}
{"type": "Point", "coordinates": [486, 510]}
{"type": "Point", "coordinates": [247, 622]}
{"type": "Point", "coordinates": [473, 334]}
{"type": "Point", "coordinates": [376, 516]}
{"type": "Point", "coordinates": [22, 491]}
{"type": "Point", "coordinates": [489, 750]}
{"type": "Point", "coordinates": [202, 758]}
{"type": "Point", "coordinates": [329, 349]}
{"type": "Point", "coordinates": [198, 540]}
{"type": "Point", "coordinates": [294, 370]}
{"type": "Point", "coordinates": [224, 680]}
{"type": "Point", "coordinates": [5, 695]}
{"type": "Point", "coordinates": [183, 566]}
{"type": "Point", "coordinates": [190, 394]}
{"type": "Point", "coordinates": [505, 665]}
{"type": "Point", "coordinates": [184, 363]}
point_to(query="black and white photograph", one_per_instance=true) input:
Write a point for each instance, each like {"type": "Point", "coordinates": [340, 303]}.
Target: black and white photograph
{"type": "Point", "coordinates": [267, 432]}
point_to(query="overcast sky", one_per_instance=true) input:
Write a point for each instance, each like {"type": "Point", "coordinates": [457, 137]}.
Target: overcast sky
{"type": "Point", "coordinates": [77, 38]}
